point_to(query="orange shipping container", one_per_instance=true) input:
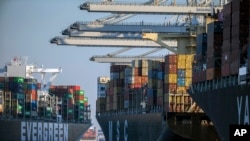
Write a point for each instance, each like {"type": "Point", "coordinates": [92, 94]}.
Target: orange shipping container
{"type": "Point", "coordinates": [137, 79]}
{"type": "Point", "coordinates": [212, 73]}
{"type": "Point", "coordinates": [144, 79]}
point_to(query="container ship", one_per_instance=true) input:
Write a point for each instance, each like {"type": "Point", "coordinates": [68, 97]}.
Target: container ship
{"type": "Point", "coordinates": [32, 110]}
{"type": "Point", "coordinates": [148, 101]}
{"type": "Point", "coordinates": [221, 79]}
{"type": "Point", "coordinates": [195, 96]}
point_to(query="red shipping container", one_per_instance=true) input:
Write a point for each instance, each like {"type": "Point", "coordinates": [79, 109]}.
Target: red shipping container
{"type": "Point", "coordinates": [137, 85]}
{"type": "Point", "coordinates": [235, 44]}
{"type": "Point", "coordinates": [225, 69]}
{"type": "Point", "coordinates": [227, 9]}
{"type": "Point", "coordinates": [234, 67]}
{"type": "Point", "coordinates": [195, 77]}
{"type": "Point", "coordinates": [171, 59]}
{"type": "Point", "coordinates": [227, 33]}
{"type": "Point", "coordinates": [240, 30]}
{"type": "Point", "coordinates": [226, 45]}
{"type": "Point", "coordinates": [202, 76]}
{"type": "Point", "coordinates": [227, 21]}
{"type": "Point", "coordinates": [171, 68]}
{"type": "Point", "coordinates": [226, 57]}
{"type": "Point", "coordinates": [242, 5]}
{"type": "Point", "coordinates": [235, 54]}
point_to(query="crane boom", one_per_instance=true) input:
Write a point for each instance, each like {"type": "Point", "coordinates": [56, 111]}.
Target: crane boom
{"type": "Point", "coordinates": [140, 8]}
{"type": "Point", "coordinates": [122, 59]}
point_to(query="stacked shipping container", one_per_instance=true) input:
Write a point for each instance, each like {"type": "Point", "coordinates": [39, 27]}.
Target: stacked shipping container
{"type": "Point", "coordinates": [227, 50]}
{"type": "Point", "coordinates": [115, 99]}
{"type": "Point", "coordinates": [178, 77]}
{"type": "Point", "coordinates": [18, 96]}
{"type": "Point", "coordinates": [214, 44]}
{"type": "Point", "coordinates": [102, 83]}
{"type": "Point", "coordinates": [150, 81]}
{"type": "Point", "coordinates": [71, 101]}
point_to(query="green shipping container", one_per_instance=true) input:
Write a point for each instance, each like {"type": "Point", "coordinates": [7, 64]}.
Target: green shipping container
{"type": "Point", "coordinates": [79, 92]}
{"type": "Point", "coordinates": [18, 79]}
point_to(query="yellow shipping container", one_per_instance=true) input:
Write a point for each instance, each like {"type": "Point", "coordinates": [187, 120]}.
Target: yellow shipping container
{"type": "Point", "coordinates": [189, 61]}
{"type": "Point", "coordinates": [171, 78]}
{"type": "Point", "coordinates": [144, 71]}
{"type": "Point", "coordinates": [181, 64]}
{"type": "Point", "coordinates": [172, 99]}
{"type": "Point", "coordinates": [179, 99]}
{"type": "Point", "coordinates": [145, 63]}
{"type": "Point", "coordinates": [188, 81]}
{"type": "Point", "coordinates": [188, 73]}
{"type": "Point", "coordinates": [181, 90]}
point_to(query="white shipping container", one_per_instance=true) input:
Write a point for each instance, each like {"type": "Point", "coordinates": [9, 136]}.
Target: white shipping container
{"type": "Point", "coordinates": [103, 79]}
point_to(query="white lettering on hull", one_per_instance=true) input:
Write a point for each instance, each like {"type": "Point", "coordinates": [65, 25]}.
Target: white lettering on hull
{"type": "Point", "coordinates": [118, 133]}
{"type": "Point", "coordinates": [43, 131]}
{"type": "Point", "coordinates": [244, 111]}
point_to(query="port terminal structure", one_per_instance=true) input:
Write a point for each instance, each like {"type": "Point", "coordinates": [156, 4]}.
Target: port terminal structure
{"type": "Point", "coordinates": [178, 35]}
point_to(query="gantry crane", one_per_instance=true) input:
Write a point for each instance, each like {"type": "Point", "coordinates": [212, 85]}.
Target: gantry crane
{"type": "Point", "coordinates": [102, 32]}
{"type": "Point", "coordinates": [140, 8]}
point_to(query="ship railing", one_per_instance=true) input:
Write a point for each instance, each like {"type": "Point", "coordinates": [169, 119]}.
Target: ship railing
{"type": "Point", "coordinates": [214, 84]}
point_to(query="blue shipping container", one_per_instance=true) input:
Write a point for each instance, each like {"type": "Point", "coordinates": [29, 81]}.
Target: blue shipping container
{"type": "Point", "coordinates": [181, 73]}
{"type": "Point", "coordinates": [181, 81]}
{"type": "Point", "coordinates": [160, 75]}
{"type": "Point", "coordinates": [34, 105]}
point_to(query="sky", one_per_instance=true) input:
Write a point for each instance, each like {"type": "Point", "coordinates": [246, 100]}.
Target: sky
{"type": "Point", "coordinates": [27, 26]}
